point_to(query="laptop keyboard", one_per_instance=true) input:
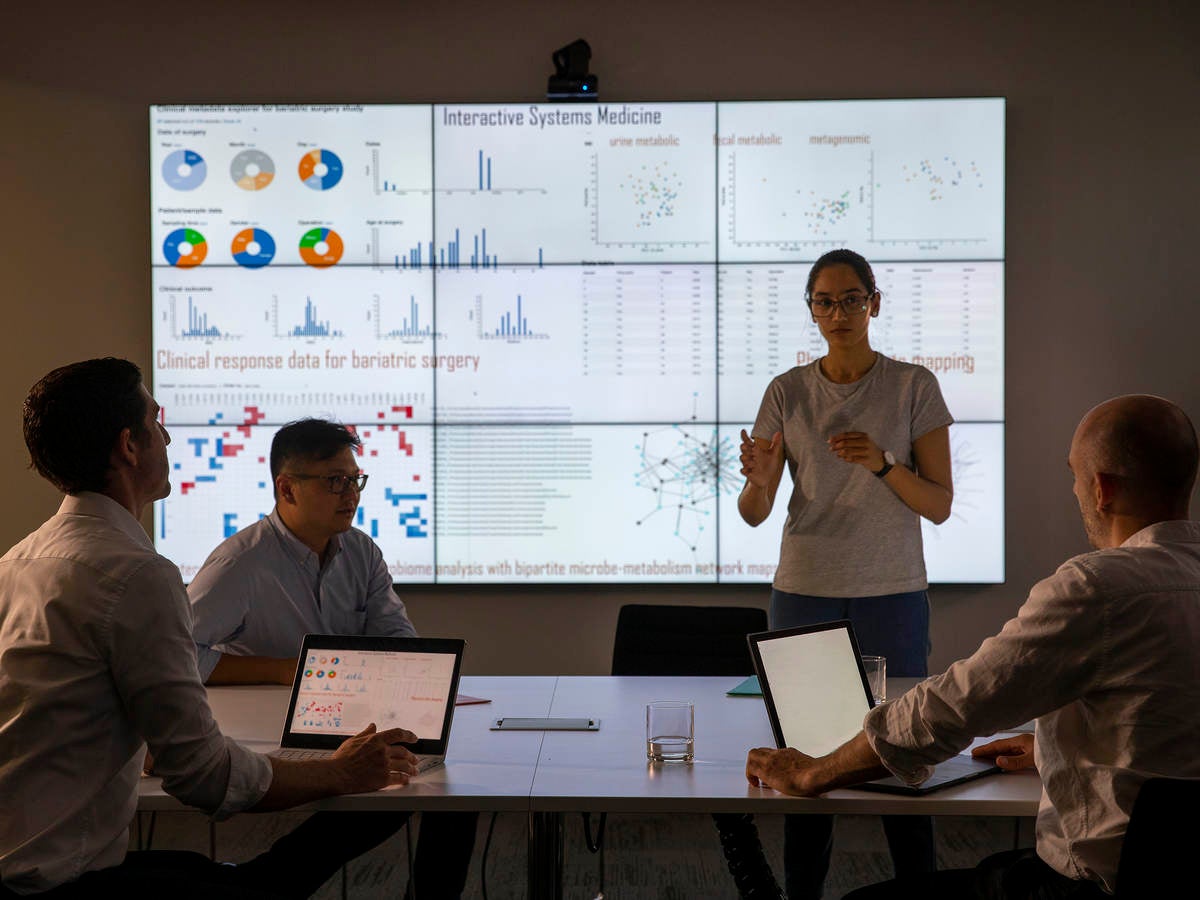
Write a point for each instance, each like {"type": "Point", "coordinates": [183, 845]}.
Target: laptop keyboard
{"type": "Point", "coordinates": [303, 754]}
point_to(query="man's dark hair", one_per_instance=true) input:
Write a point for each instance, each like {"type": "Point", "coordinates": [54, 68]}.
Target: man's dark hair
{"type": "Point", "coordinates": [309, 439]}
{"type": "Point", "coordinates": [73, 417]}
{"type": "Point", "coordinates": [861, 268]}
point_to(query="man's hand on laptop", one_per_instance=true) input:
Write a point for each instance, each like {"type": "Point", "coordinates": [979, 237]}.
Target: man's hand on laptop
{"type": "Point", "coordinates": [1010, 754]}
{"type": "Point", "coordinates": [784, 770]}
{"type": "Point", "coordinates": [375, 759]}
{"type": "Point", "coordinates": [792, 772]}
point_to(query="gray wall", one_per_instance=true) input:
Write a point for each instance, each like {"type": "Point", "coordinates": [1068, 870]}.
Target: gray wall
{"type": "Point", "coordinates": [1103, 200]}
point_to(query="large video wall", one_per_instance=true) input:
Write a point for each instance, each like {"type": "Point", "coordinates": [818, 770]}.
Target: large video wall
{"type": "Point", "coordinates": [549, 322]}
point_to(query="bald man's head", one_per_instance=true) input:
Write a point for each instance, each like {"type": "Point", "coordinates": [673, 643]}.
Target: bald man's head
{"type": "Point", "coordinates": [1147, 442]}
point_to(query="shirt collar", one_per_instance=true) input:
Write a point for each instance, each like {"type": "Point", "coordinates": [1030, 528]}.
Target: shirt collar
{"type": "Point", "coordinates": [297, 547]}
{"type": "Point", "coordinates": [1174, 530]}
{"type": "Point", "coordinates": [89, 503]}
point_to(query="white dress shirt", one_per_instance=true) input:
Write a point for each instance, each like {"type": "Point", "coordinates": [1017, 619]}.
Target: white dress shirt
{"type": "Point", "coordinates": [261, 590]}
{"type": "Point", "coordinates": [1104, 654]}
{"type": "Point", "coordinates": [96, 661]}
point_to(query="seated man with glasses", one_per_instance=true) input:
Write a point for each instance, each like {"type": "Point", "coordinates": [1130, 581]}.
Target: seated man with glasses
{"type": "Point", "coordinates": [304, 569]}
{"type": "Point", "coordinates": [301, 569]}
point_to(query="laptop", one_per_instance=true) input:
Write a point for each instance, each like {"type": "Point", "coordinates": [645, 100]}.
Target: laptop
{"type": "Point", "coordinates": [816, 693]}
{"type": "Point", "coordinates": [345, 682]}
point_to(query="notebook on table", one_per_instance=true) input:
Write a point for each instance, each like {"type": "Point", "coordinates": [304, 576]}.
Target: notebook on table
{"type": "Point", "coordinates": [345, 682]}
{"type": "Point", "coordinates": [816, 693]}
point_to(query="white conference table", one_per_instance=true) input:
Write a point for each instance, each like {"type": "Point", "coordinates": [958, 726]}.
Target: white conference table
{"type": "Point", "coordinates": [607, 771]}
{"type": "Point", "coordinates": [549, 774]}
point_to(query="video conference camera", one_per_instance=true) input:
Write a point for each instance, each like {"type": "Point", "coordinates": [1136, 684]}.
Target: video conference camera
{"type": "Point", "coordinates": [571, 80]}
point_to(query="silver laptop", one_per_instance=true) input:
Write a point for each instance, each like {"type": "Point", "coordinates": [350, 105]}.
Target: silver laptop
{"type": "Point", "coordinates": [817, 694]}
{"type": "Point", "coordinates": [343, 683]}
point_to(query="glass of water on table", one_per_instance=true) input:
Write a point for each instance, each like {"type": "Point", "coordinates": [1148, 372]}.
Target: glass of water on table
{"type": "Point", "coordinates": [670, 730]}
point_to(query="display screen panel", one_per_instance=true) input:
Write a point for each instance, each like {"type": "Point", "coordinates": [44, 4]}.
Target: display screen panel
{"type": "Point", "coordinates": [549, 322]}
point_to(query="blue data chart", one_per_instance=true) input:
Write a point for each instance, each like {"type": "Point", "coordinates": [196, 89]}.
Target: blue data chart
{"type": "Point", "coordinates": [197, 325]}
{"type": "Point", "coordinates": [510, 325]}
{"type": "Point", "coordinates": [184, 248]}
{"type": "Point", "coordinates": [320, 169]}
{"type": "Point", "coordinates": [413, 325]}
{"type": "Point", "coordinates": [312, 327]}
{"type": "Point", "coordinates": [184, 170]}
{"type": "Point", "coordinates": [252, 248]}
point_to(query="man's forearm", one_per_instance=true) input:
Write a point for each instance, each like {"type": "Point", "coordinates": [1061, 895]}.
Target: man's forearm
{"type": "Point", "coordinates": [852, 763]}
{"type": "Point", "coordinates": [252, 670]}
{"type": "Point", "coordinates": [294, 782]}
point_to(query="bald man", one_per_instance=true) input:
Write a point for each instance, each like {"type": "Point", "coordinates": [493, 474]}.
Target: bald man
{"type": "Point", "coordinates": [1087, 655]}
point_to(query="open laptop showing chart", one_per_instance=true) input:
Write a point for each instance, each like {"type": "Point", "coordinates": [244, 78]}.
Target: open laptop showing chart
{"type": "Point", "coordinates": [344, 683]}
{"type": "Point", "coordinates": [816, 693]}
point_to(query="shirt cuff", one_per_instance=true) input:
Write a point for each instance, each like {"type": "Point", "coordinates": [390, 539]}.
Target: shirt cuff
{"type": "Point", "coordinates": [250, 776]}
{"type": "Point", "coordinates": [897, 759]}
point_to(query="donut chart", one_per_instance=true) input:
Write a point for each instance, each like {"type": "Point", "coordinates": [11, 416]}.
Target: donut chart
{"type": "Point", "coordinates": [185, 247]}
{"type": "Point", "coordinates": [321, 169]}
{"type": "Point", "coordinates": [321, 247]}
{"type": "Point", "coordinates": [252, 170]}
{"type": "Point", "coordinates": [184, 170]}
{"type": "Point", "coordinates": [252, 248]}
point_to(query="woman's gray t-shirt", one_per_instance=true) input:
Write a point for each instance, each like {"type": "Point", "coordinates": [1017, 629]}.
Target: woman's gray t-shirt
{"type": "Point", "coordinates": [847, 534]}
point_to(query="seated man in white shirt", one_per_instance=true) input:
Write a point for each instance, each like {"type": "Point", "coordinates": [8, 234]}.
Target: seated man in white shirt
{"type": "Point", "coordinates": [1087, 656]}
{"type": "Point", "coordinates": [97, 662]}
{"type": "Point", "coordinates": [304, 569]}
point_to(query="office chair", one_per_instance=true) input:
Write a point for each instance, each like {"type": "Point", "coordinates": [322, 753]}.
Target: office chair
{"type": "Point", "coordinates": [685, 640]}
{"type": "Point", "coordinates": [1163, 832]}
{"type": "Point", "coordinates": [700, 640]}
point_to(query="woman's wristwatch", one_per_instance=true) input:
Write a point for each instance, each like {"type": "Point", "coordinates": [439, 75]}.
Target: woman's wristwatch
{"type": "Point", "coordinates": [888, 461]}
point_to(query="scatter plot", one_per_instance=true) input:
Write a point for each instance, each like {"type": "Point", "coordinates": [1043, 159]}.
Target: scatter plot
{"type": "Point", "coordinates": [939, 176]}
{"type": "Point", "coordinates": [824, 213]}
{"type": "Point", "coordinates": [654, 191]}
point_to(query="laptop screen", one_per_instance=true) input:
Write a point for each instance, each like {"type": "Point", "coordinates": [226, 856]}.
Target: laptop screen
{"type": "Point", "coordinates": [344, 683]}
{"type": "Point", "coordinates": [813, 684]}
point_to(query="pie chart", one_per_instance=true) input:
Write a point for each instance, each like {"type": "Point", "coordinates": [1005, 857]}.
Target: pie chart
{"type": "Point", "coordinates": [252, 170]}
{"type": "Point", "coordinates": [253, 248]}
{"type": "Point", "coordinates": [185, 247]}
{"type": "Point", "coordinates": [321, 247]}
{"type": "Point", "coordinates": [320, 169]}
{"type": "Point", "coordinates": [184, 170]}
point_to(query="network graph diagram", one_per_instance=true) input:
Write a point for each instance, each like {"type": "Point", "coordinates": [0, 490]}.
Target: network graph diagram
{"type": "Point", "coordinates": [974, 535]}
{"type": "Point", "coordinates": [685, 471]}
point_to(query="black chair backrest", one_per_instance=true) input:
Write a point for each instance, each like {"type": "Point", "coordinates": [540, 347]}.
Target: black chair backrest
{"type": "Point", "coordinates": [685, 640]}
{"type": "Point", "coordinates": [1163, 833]}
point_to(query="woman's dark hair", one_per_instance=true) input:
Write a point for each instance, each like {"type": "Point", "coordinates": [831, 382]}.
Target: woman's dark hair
{"type": "Point", "coordinates": [861, 268]}
{"type": "Point", "coordinates": [73, 417]}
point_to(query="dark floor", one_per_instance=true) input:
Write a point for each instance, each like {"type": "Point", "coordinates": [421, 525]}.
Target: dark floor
{"type": "Point", "coordinates": [646, 857]}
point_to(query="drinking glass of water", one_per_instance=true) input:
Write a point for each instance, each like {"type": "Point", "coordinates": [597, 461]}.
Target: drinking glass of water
{"type": "Point", "coordinates": [876, 669]}
{"type": "Point", "coordinates": [670, 730]}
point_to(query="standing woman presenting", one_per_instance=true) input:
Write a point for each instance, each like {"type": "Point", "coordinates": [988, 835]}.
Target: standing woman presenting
{"type": "Point", "coordinates": [866, 441]}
